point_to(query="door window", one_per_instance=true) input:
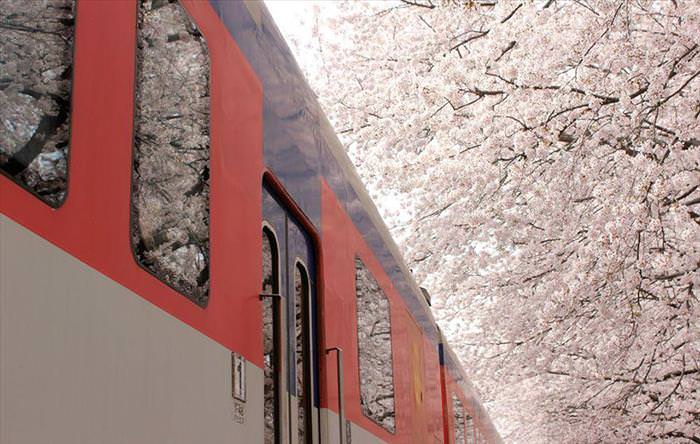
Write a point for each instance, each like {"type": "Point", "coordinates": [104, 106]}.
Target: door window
{"type": "Point", "coordinates": [303, 354]}
{"type": "Point", "coordinates": [271, 335]}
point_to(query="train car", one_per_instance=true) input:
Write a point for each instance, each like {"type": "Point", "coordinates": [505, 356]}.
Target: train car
{"type": "Point", "coordinates": [291, 317]}
{"type": "Point", "coordinates": [465, 419]}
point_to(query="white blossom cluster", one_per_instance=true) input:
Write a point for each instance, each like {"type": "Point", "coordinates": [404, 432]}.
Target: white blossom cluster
{"type": "Point", "coordinates": [548, 155]}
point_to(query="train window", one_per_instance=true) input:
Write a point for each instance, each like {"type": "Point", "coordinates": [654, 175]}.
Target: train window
{"type": "Point", "coordinates": [469, 430]}
{"type": "Point", "coordinates": [303, 352]}
{"type": "Point", "coordinates": [170, 192]}
{"type": "Point", "coordinates": [374, 344]}
{"type": "Point", "coordinates": [36, 43]}
{"type": "Point", "coordinates": [271, 336]}
{"type": "Point", "coordinates": [458, 411]}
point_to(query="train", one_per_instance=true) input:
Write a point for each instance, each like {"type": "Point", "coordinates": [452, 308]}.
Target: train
{"type": "Point", "coordinates": [295, 319]}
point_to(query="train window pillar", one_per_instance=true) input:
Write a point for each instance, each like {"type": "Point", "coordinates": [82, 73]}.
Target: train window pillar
{"type": "Point", "coordinates": [374, 349]}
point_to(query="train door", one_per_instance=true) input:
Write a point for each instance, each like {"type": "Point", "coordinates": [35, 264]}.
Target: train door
{"type": "Point", "coordinates": [289, 327]}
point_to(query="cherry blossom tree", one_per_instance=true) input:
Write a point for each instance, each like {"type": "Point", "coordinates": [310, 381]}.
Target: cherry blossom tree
{"type": "Point", "coordinates": [546, 158]}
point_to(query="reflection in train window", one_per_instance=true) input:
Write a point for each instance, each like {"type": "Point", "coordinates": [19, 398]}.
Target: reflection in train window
{"type": "Point", "coordinates": [36, 69]}
{"type": "Point", "coordinates": [170, 195]}
{"type": "Point", "coordinates": [271, 336]}
{"type": "Point", "coordinates": [374, 344]}
{"type": "Point", "coordinates": [458, 410]}
{"type": "Point", "coordinates": [302, 311]}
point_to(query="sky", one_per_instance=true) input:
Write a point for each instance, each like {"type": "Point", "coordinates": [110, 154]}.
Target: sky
{"type": "Point", "coordinates": [288, 13]}
{"type": "Point", "coordinates": [294, 18]}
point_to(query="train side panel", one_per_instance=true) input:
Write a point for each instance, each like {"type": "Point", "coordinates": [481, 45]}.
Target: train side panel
{"type": "Point", "coordinates": [341, 244]}
{"type": "Point", "coordinates": [85, 360]}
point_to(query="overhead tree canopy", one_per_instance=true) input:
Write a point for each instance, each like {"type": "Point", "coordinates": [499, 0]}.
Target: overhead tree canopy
{"type": "Point", "coordinates": [548, 155]}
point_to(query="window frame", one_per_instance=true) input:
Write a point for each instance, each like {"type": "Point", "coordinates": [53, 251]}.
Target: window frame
{"type": "Point", "coordinates": [357, 258]}
{"type": "Point", "coordinates": [133, 234]}
{"type": "Point", "coordinates": [69, 147]}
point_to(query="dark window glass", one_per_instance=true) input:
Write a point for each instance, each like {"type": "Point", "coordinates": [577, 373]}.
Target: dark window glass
{"type": "Point", "coordinates": [171, 149]}
{"type": "Point", "coordinates": [36, 64]}
{"type": "Point", "coordinates": [374, 344]}
{"type": "Point", "coordinates": [271, 336]}
{"type": "Point", "coordinates": [303, 354]}
{"type": "Point", "coordinates": [458, 411]}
